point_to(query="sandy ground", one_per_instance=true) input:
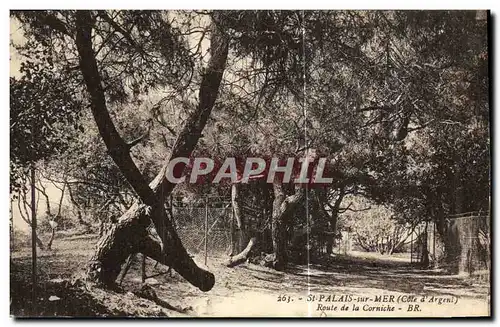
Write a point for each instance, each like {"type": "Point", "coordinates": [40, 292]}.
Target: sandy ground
{"type": "Point", "coordinates": [376, 285]}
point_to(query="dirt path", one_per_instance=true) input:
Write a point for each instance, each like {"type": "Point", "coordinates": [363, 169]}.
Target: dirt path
{"type": "Point", "coordinates": [252, 291]}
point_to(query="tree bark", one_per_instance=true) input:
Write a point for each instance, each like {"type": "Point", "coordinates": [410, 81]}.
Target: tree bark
{"type": "Point", "coordinates": [24, 217]}
{"type": "Point", "coordinates": [59, 209]}
{"type": "Point", "coordinates": [40, 243]}
{"type": "Point", "coordinates": [131, 233]}
{"type": "Point", "coordinates": [240, 233]}
{"type": "Point", "coordinates": [52, 236]}
{"type": "Point", "coordinates": [42, 190]}
{"type": "Point", "coordinates": [278, 228]}
{"type": "Point", "coordinates": [79, 216]}
{"type": "Point", "coordinates": [283, 206]}
{"type": "Point", "coordinates": [333, 217]}
{"type": "Point", "coordinates": [425, 250]}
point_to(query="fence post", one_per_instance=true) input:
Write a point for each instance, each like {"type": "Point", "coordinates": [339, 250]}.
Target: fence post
{"type": "Point", "coordinates": [232, 231]}
{"type": "Point", "coordinates": [11, 218]}
{"type": "Point", "coordinates": [33, 237]}
{"type": "Point", "coordinates": [263, 228]}
{"type": "Point", "coordinates": [411, 247]}
{"type": "Point", "coordinates": [434, 242]}
{"type": "Point", "coordinates": [206, 229]}
{"type": "Point", "coordinates": [346, 243]}
{"type": "Point", "coordinates": [143, 268]}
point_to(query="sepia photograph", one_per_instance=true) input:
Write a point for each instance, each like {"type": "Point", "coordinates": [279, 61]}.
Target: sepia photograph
{"type": "Point", "coordinates": [250, 163]}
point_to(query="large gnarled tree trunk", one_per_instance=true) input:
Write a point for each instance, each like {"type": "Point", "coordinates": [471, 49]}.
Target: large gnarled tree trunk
{"type": "Point", "coordinates": [133, 233]}
{"type": "Point", "coordinates": [283, 206]}
{"type": "Point", "coordinates": [333, 217]}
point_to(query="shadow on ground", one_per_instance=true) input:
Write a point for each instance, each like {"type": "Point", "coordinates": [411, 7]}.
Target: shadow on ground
{"type": "Point", "coordinates": [339, 274]}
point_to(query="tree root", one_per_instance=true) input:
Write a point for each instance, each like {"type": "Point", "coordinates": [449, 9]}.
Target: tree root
{"type": "Point", "coordinates": [148, 293]}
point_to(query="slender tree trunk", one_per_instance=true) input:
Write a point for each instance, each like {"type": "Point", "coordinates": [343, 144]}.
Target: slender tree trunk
{"type": "Point", "coordinates": [101, 227]}
{"type": "Point", "coordinates": [278, 228]}
{"type": "Point", "coordinates": [51, 239]}
{"type": "Point", "coordinates": [61, 199]}
{"type": "Point", "coordinates": [330, 240]}
{"type": "Point", "coordinates": [333, 217]}
{"type": "Point", "coordinates": [425, 249]}
{"type": "Point", "coordinates": [57, 219]}
{"type": "Point", "coordinates": [25, 216]}
{"type": "Point", "coordinates": [265, 241]}
{"type": "Point", "coordinates": [11, 225]}
{"type": "Point", "coordinates": [79, 216]}
{"type": "Point", "coordinates": [240, 240]}
{"type": "Point", "coordinates": [42, 190]}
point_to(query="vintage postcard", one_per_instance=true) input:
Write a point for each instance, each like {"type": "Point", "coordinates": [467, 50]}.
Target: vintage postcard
{"type": "Point", "coordinates": [250, 163]}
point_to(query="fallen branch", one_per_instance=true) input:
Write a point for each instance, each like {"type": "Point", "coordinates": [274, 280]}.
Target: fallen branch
{"type": "Point", "coordinates": [243, 255]}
